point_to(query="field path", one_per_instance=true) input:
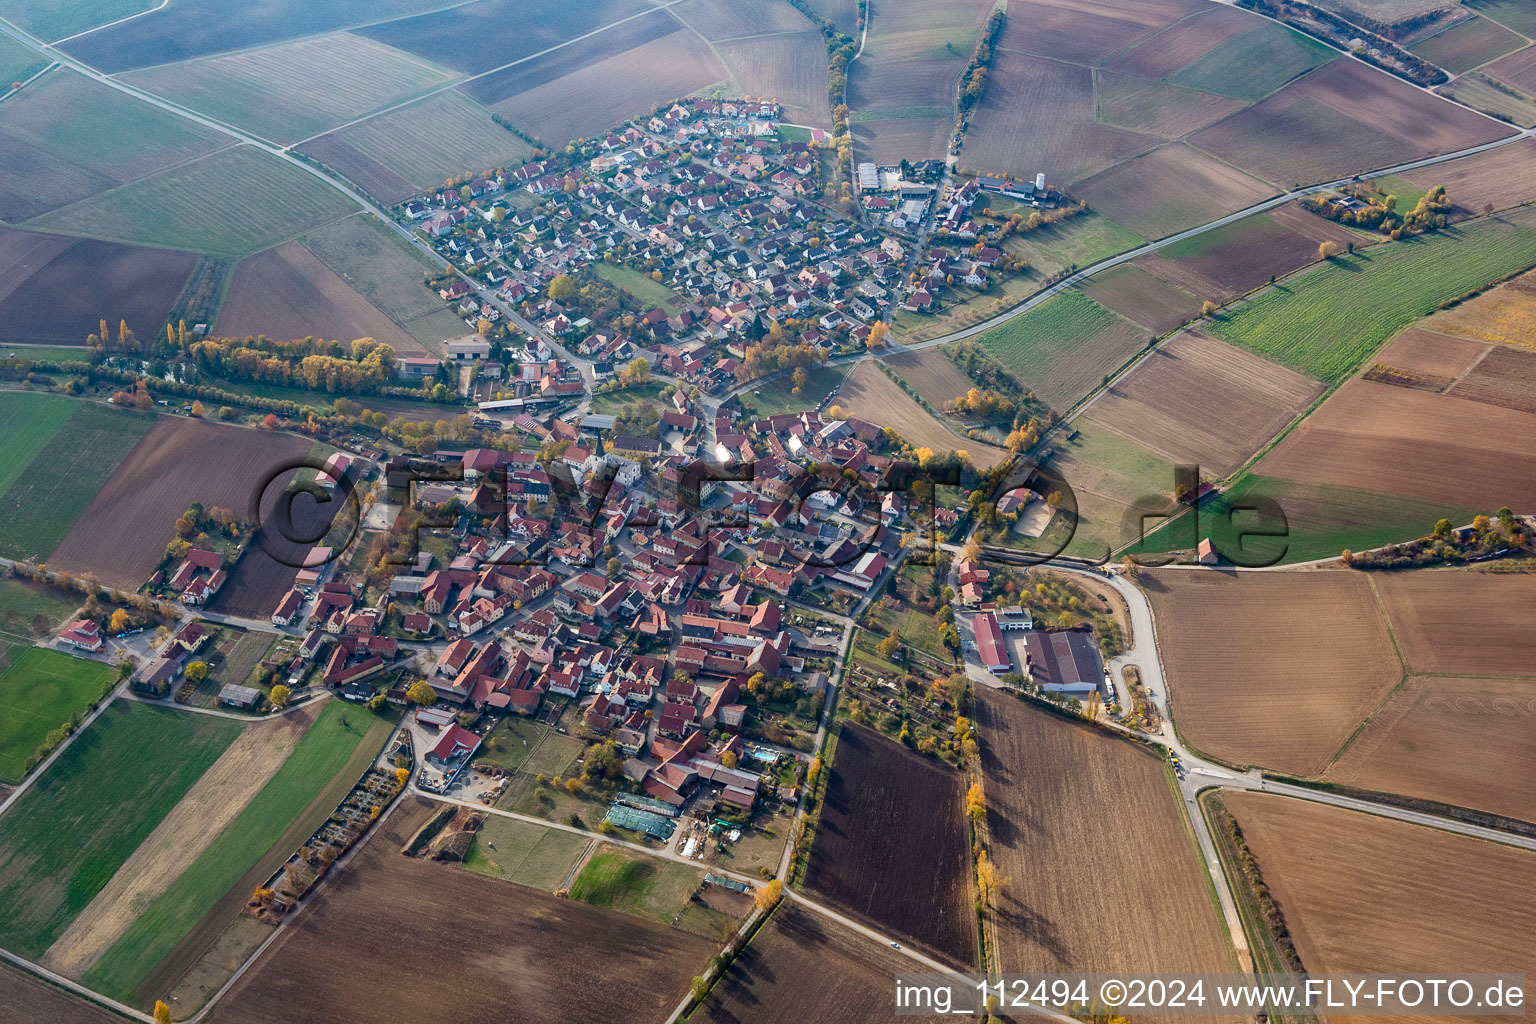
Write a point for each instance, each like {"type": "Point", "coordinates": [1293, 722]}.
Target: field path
{"type": "Point", "coordinates": [210, 805]}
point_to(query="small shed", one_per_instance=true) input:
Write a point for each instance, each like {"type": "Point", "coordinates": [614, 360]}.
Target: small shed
{"type": "Point", "coordinates": [245, 697]}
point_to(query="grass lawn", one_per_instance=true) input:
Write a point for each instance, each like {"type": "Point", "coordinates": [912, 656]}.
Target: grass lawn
{"type": "Point", "coordinates": [47, 494]}
{"type": "Point", "coordinates": [1319, 521]}
{"type": "Point", "coordinates": [1328, 320]}
{"type": "Point", "coordinates": [636, 884]}
{"type": "Point", "coordinates": [776, 397]}
{"type": "Point", "coordinates": [46, 353]}
{"type": "Point", "coordinates": [1254, 64]}
{"type": "Point", "coordinates": [613, 403]}
{"type": "Point", "coordinates": [41, 690]}
{"type": "Point", "coordinates": [525, 853]}
{"type": "Point", "coordinates": [319, 756]}
{"type": "Point", "coordinates": [66, 838]}
{"type": "Point", "coordinates": [642, 289]}
{"type": "Point", "coordinates": [22, 601]}
{"type": "Point", "coordinates": [554, 755]}
{"type": "Point", "coordinates": [789, 133]}
{"type": "Point", "coordinates": [512, 741]}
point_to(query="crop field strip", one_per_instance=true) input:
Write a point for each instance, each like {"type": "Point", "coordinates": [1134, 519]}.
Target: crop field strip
{"type": "Point", "coordinates": [235, 201]}
{"type": "Point", "coordinates": [1468, 44]}
{"type": "Point", "coordinates": [1360, 892]}
{"type": "Point", "coordinates": [536, 950]}
{"type": "Point", "coordinates": [1050, 784]}
{"type": "Point", "coordinates": [66, 837]}
{"type": "Point", "coordinates": [41, 690]}
{"type": "Point", "coordinates": [291, 91]}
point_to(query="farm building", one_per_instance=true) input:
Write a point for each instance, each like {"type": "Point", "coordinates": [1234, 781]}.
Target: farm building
{"type": "Point", "coordinates": [1064, 663]}
{"type": "Point", "coordinates": [244, 697]}
{"type": "Point", "coordinates": [989, 643]}
{"type": "Point", "coordinates": [869, 178]}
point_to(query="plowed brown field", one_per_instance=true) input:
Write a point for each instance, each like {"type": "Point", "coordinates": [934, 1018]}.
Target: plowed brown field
{"type": "Point", "coordinates": [1051, 786]}
{"type": "Point", "coordinates": [531, 956]}
{"type": "Point", "coordinates": [1504, 177]}
{"type": "Point", "coordinates": [1461, 622]}
{"type": "Point", "coordinates": [1505, 376]}
{"type": "Point", "coordinates": [1368, 894]}
{"type": "Point", "coordinates": [1272, 669]}
{"type": "Point", "coordinates": [1436, 355]}
{"type": "Point", "coordinates": [1199, 400]}
{"type": "Point", "coordinates": [1191, 188]}
{"type": "Point", "coordinates": [892, 847]}
{"type": "Point", "coordinates": [1136, 294]}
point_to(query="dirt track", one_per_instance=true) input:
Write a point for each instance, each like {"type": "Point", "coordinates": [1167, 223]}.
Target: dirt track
{"type": "Point", "coordinates": [194, 823]}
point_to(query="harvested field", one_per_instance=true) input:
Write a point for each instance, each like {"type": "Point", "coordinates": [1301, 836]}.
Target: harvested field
{"type": "Point", "coordinates": [233, 202]}
{"type": "Point", "coordinates": [802, 968]}
{"type": "Point", "coordinates": [1364, 893]}
{"type": "Point", "coordinates": [1465, 742]}
{"type": "Point", "coordinates": [891, 845]}
{"type": "Point", "coordinates": [55, 487]}
{"type": "Point", "coordinates": [1505, 377]}
{"type": "Point", "coordinates": [1198, 400]}
{"type": "Point", "coordinates": [1254, 64]}
{"type": "Point", "coordinates": [1469, 44]}
{"type": "Point", "coordinates": [66, 132]}
{"type": "Point", "coordinates": [842, 13]}
{"type": "Point", "coordinates": [476, 37]}
{"type": "Point", "coordinates": [1236, 258]}
{"type": "Point", "coordinates": [789, 68]}
{"type": "Point", "coordinates": [726, 19]}
{"type": "Point", "coordinates": [1085, 31]}
{"type": "Point", "coordinates": [1137, 295]}
{"type": "Point", "coordinates": [388, 272]}
{"type": "Point", "coordinates": [416, 147]}
{"type": "Point", "coordinates": [902, 90]}
{"type": "Point", "coordinates": [1050, 785]}
{"type": "Point", "coordinates": [1415, 444]}
{"type": "Point", "coordinates": [287, 293]}
{"type": "Point", "coordinates": [1183, 42]}
{"type": "Point", "coordinates": [1506, 315]}
{"type": "Point", "coordinates": [1436, 355]}
{"type": "Point", "coordinates": [1388, 12]}
{"type": "Point", "coordinates": [597, 90]}
{"type": "Point", "coordinates": [1191, 189]}
{"type": "Point", "coordinates": [1463, 623]}
{"type": "Point", "coordinates": [122, 535]}
{"type": "Point", "coordinates": [1504, 177]}
{"type": "Point", "coordinates": [870, 395]}
{"type": "Point", "coordinates": [545, 68]}
{"type": "Point", "coordinates": [48, 1004]}
{"type": "Point", "coordinates": [1065, 346]}
{"type": "Point", "coordinates": [1509, 13]}
{"type": "Point", "coordinates": [64, 297]}
{"type": "Point", "coordinates": [932, 374]}
{"type": "Point", "coordinates": [1518, 69]}
{"type": "Point", "coordinates": [1343, 118]}
{"type": "Point", "coordinates": [1143, 105]}
{"type": "Point", "coordinates": [1329, 320]}
{"type": "Point", "coordinates": [533, 952]}
{"type": "Point", "coordinates": [294, 90]}
{"type": "Point", "coordinates": [181, 836]}
{"type": "Point", "coordinates": [1038, 115]}
{"type": "Point", "coordinates": [1272, 669]}
{"type": "Point", "coordinates": [198, 28]}
{"type": "Point", "coordinates": [67, 836]}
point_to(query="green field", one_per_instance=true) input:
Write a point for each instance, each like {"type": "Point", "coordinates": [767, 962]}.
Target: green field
{"type": "Point", "coordinates": [612, 403]}
{"type": "Point", "coordinates": [51, 20]}
{"type": "Point", "coordinates": [636, 884]}
{"type": "Point", "coordinates": [1254, 64]}
{"type": "Point", "coordinates": [76, 120]}
{"type": "Point", "coordinates": [426, 142]}
{"type": "Point", "coordinates": [67, 836]}
{"type": "Point", "coordinates": [18, 62]}
{"type": "Point", "coordinates": [1327, 321]}
{"type": "Point", "coordinates": [320, 755]}
{"type": "Point", "coordinates": [233, 202]}
{"type": "Point", "coordinates": [1077, 241]}
{"type": "Point", "coordinates": [41, 690]}
{"type": "Point", "coordinates": [291, 91]}
{"type": "Point", "coordinates": [21, 601]}
{"type": "Point", "coordinates": [525, 853]}
{"type": "Point", "coordinates": [1468, 44]}
{"type": "Point", "coordinates": [776, 397]}
{"type": "Point", "coordinates": [1319, 521]}
{"type": "Point", "coordinates": [45, 353]}
{"type": "Point", "coordinates": [384, 268]}
{"type": "Point", "coordinates": [1065, 346]}
{"type": "Point", "coordinates": [641, 288]}
{"type": "Point", "coordinates": [48, 493]}
{"type": "Point", "coordinates": [1519, 15]}
{"type": "Point", "coordinates": [27, 422]}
